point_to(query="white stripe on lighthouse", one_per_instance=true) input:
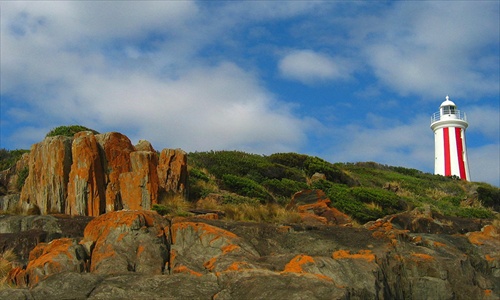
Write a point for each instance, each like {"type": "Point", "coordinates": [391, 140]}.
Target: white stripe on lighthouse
{"type": "Point", "coordinates": [460, 150]}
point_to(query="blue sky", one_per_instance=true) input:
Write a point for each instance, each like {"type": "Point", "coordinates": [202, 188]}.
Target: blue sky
{"type": "Point", "coordinates": [345, 81]}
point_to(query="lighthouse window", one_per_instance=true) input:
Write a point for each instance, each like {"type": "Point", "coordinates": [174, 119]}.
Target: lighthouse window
{"type": "Point", "coordinates": [449, 110]}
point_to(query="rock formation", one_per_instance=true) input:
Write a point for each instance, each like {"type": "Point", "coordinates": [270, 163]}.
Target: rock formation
{"type": "Point", "coordinates": [172, 172]}
{"type": "Point", "coordinates": [90, 174]}
{"type": "Point", "coordinates": [139, 255]}
{"type": "Point", "coordinates": [47, 183]}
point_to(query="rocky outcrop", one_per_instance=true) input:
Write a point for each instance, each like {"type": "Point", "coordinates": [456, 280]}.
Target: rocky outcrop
{"type": "Point", "coordinates": [86, 189]}
{"type": "Point", "coordinates": [47, 183]}
{"type": "Point", "coordinates": [315, 208]}
{"type": "Point", "coordinates": [126, 241]}
{"type": "Point", "coordinates": [90, 174]}
{"type": "Point", "coordinates": [23, 233]}
{"type": "Point", "coordinates": [172, 173]}
{"type": "Point", "coordinates": [139, 254]}
{"type": "Point", "coordinates": [139, 188]}
{"type": "Point", "coordinates": [115, 151]}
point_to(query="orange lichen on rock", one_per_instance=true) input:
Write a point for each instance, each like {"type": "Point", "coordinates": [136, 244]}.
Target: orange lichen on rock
{"type": "Point", "coordinates": [310, 208]}
{"type": "Point", "coordinates": [17, 276]}
{"type": "Point", "coordinates": [134, 220]}
{"type": "Point", "coordinates": [488, 233]}
{"type": "Point", "coordinates": [230, 248]}
{"type": "Point", "coordinates": [140, 249]}
{"type": "Point", "coordinates": [438, 244]}
{"type": "Point", "coordinates": [422, 256]}
{"type": "Point", "coordinates": [309, 218]}
{"type": "Point", "coordinates": [295, 265]}
{"type": "Point", "coordinates": [210, 264]}
{"type": "Point", "coordinates": [284, 229]}
{"type": "Point", "coordinates": [51, 258]}
{"type": "Point", "coordinates": [203, 229]}
{"type": "Point", "coordinates": [237, 266]}
{"type": "Point", "coordinates": [346, 254]}
{"type": "Point", "coordinates": [184, 269]}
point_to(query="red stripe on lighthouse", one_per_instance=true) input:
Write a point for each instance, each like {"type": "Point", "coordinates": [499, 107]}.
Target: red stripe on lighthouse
{"type": "Point", "coordinates": [460, 152]}
{"type": "Point", "coordinates": [447, 162]}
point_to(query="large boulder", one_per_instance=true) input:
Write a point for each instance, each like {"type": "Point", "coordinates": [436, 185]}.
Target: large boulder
{"type": "Point", "coordinates": [47, 182]}
{"type": "Point", "coordinates": [57, 256]}
{"type": "Point", "coordinates": [124, 241]}
{"type": "Point", "coordinates": [198, 248]}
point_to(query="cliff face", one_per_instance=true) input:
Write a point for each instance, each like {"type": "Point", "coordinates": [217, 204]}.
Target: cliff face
{"type": "Point", "coordinates": [89, 174]}
{"type": "Point", "coordinates": [139, 255]}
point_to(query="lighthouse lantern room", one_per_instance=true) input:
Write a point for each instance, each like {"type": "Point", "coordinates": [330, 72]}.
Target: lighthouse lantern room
{"type": "Point", "coordinates": [449, 126]}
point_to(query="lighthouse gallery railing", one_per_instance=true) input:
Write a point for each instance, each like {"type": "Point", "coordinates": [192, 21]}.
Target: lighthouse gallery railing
{"type": "Point", "coordinates": [456, 115]}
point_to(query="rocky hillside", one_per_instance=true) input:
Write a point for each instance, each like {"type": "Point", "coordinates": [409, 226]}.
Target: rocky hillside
{"type": "Point", "coordinates": [91, 174]}
{"type": "Point", "coordinates": [92, 216]}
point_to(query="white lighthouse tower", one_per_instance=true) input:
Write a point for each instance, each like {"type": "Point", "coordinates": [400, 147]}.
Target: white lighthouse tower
{"type": "Point", "coordinates": [449, 126]}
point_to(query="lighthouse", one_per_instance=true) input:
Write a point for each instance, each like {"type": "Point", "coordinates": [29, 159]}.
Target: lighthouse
{"type": "Point", "coordinates": [450, 151]}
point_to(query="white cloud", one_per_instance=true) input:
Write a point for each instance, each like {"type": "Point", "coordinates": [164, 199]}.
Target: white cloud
{"type": "Point", "coordinates": [409, 145]}
{"type": "Point", "coordinates": [309, 66]}
{"type": "Point", "coordinates": [168, 95]}
{"type": "Point", "coordinates": [431, 48]}
{"type": "Point", "coordinates": [484, 120]}
{"type": "Point", "coordinates": [484, 164]}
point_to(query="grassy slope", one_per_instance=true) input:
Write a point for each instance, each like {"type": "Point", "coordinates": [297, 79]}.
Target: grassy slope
{"type": "Point", "coordinates": [365, 191]}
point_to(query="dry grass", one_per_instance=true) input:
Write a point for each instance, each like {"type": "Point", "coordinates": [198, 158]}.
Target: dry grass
{"type": "Point", "coordinates": [7, 258]}
{"type": "Point", "coordinates": [436, 194]}
{"type": "Point", "coordinates": [373, 206]}
{"type": "Point", "coordinates": [270, 213]}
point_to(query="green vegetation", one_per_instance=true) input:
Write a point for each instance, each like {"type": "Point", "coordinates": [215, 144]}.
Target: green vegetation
{"type": "Point", "coordinates": [21, 178]}
{"type": "Point", "coordinates": [8, 158]}
{"type": "Point", "coordinates": [365, 191]}
{"type": "Point", "coordinates": [69, 130]}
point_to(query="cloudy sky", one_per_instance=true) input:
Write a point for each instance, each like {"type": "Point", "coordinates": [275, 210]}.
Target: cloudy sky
{"type": "Point", "coordinates": [345, 81]}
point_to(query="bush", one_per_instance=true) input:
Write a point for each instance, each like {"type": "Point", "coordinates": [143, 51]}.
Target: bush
{"type": "Point", "coordinates": [21, 178]}
{"type": "Point", "coordinates": [245, 187]}
{"type": "Point", "coordinates": [9, 158]}
{"type": "Point", "coordinates": [69, 130]}
{"type": "Point", "coordinates": [284, 187]}
{"type": "Point", "coordinates": [489, 197]}
{"type": "Point", "coordinates": [474, 212]}
{"type": "Point", "coordinates": [160, 209]}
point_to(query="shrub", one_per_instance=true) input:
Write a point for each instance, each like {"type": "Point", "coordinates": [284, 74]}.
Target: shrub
{"type": "Point", "coordinates": [293, 160]}
{"type": "Point", "coordinates": [284, 187]}
{"type": "Point", "coordinates": [475, 212]}
{"type": "Point", "coordinates": [175, 206]}
{"type": "Point", "coordinates": [8, 158]}
{"type": "Point", "coordinates": [246, 187]}
{"type": "Point", "coordinates": [160, 209]}
{"type": "Point", "coordinates": [489, 196]}
{"type": "Point", "coordinates": [21, 178]}
{"type": "Point", "coordinates": [238, 199]}
{"type": "Point", "coordinates": [69, 130]}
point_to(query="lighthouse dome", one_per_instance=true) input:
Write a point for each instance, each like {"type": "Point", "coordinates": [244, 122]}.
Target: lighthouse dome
{"type": "Point", "coordinates": [447, 102]}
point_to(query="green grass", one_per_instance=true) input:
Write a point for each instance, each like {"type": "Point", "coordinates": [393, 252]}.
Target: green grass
{"type": "Point", "coordinates": [365, 191]}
